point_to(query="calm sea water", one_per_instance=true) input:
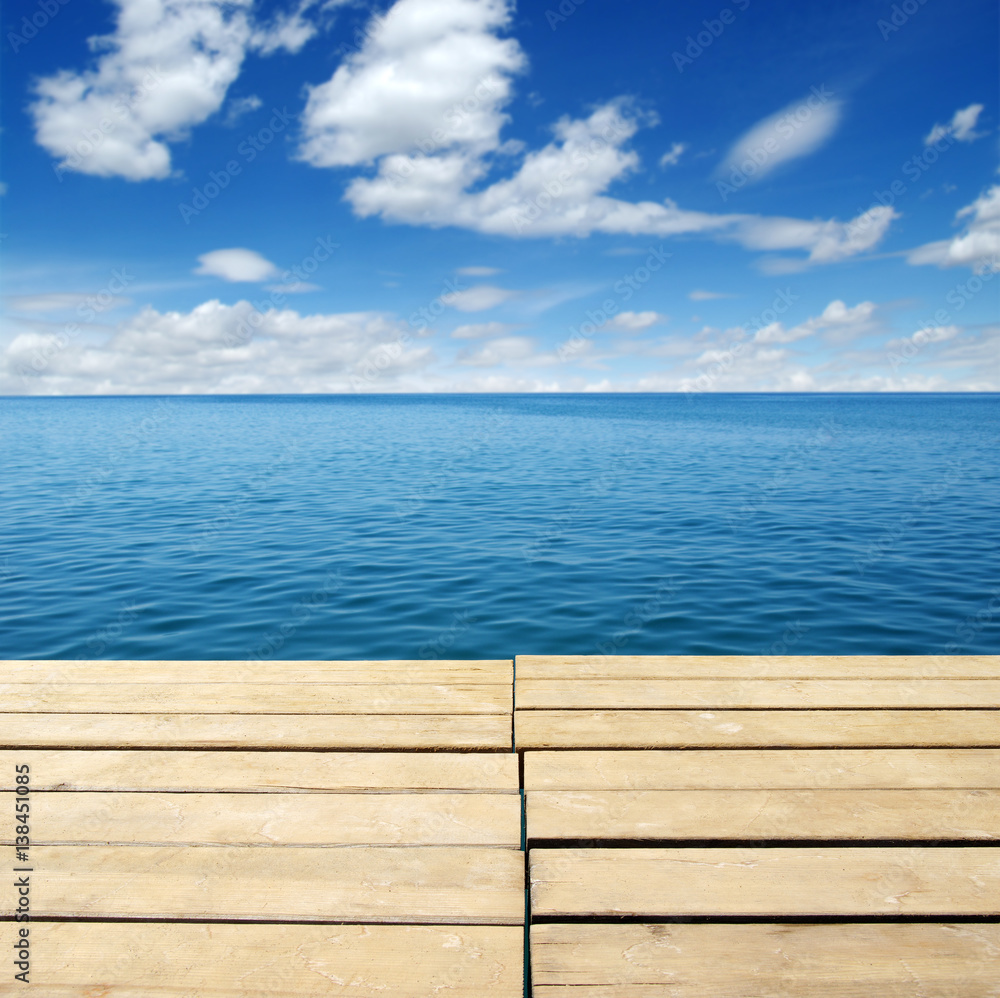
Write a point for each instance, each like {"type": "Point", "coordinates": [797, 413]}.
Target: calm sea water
{"type": "Point", "coordinates": [487, 526]}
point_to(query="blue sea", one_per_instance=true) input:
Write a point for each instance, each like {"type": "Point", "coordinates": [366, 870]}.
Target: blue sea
{"type": "Point", "coordinates": [485, 526]}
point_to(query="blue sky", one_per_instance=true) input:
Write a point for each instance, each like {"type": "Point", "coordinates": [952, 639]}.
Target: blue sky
{"type": "Point", "coordinates": [468, 195]}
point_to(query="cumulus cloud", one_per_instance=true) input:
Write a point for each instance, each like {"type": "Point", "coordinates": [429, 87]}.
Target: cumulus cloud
{"type": "Point", "coordinates": [928, 334]}
{"type": "Point", "coordinates": [977, 247]}
{"type": "Point", "coordinates": [478, 271]}
{"type": "Point", "coordinates": [793, 132]}
{"type": "Point", "coordinates": [634, 322]}
{"type": "Point", "coordinates": [218, 348]}
{"type": "Point", "coordinates": [240, 349]}
{"type": "Point", "coordinates": [826, 241]}
{"type": "Point", "coordinates": [698, 295]}
{"type": "Point", "coordinates": [478, 299]}
{"type": "Point", "coordinates": [165, 68]}
{"type": "Point", "coordinates": [961, 126]}
{"type": "Point", "coordinates": [432, 74]}
{"type": "Point", "coordinates": [434, 141]}
{"type": "Point", "coordinates": [840, 322]}
{"type": "Point", "coordinates": [288, 30]}
{"type": "Point", "coordinates": [478, 330]}
{"type": "Point", "coordinates": [236, 265]}
{"type": "Point", "coordinates": [672, 156]}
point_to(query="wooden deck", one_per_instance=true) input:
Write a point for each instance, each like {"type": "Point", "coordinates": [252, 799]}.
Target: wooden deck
{"type": "Point", "coordinates": [695, 827]}
{"type": "Point", "coordinates": [269, 831]}
{"type": "Point", "coordinates": [734, 828]}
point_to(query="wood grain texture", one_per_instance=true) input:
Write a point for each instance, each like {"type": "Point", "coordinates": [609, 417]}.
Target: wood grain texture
{"type": "Point", "coordinates": [859, 960]}
{"type": "Point", "coordinates": [256, 698]}
{"type": "Point", "coordinates": [442, 885]}
{"type": "Point", "coordinates": [153, 960]}
{"type": "Point", "coordinates": [808, 694]}
{"type": "Point", "coordinates": [743, 815]}
{"type": "Point", "coordinates": [404, 819]}
{"type": "Point", "coordinates": [615, 667]}
{"type": "Point", "coordinates": [536, 729]}
{"type": "Point", "coordinates": [897, 881]}
{"type": "Point", "coordinates": [762, 769]}
{"type": "Point", "coordinates": [46, 671]}
{"type": "Point", "coordinates": [256, 731]}
{"type": "Point", "coordinates": [273, 772]}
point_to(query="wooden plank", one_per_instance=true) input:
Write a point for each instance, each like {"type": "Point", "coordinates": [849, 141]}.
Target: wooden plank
{"type": "Point", "coordinates": [847, 960]}
{"type": "Point", "coordinates": [272, 819]}
{"type": "Point", "coordinates": [255, 698]}
{"type": "Point", "coordinates": [256, 731]}
{"type": "Point", "coordinates": [763, 814]}
{"type": "Point", "coordinates": [444, 885]}
{"type": "Point", "coordinates": [898, 881]}
{"type": "Point", "coordinates": [273, 772]}
{"type": "Point", "coordinates": [536, 729]}
{"type": "Point", "coordinates": [219, 671]}
{"type": "Point", "coordinates": [139, 960]}
{"type": "Point", "coordinates": [811, 694]}
{"type": "Point", "coordinates": [530, 667]}
{"type": "Point", "coordinates": [761, 769]}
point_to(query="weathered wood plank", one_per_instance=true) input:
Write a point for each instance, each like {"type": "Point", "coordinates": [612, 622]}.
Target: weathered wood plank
{"type": "Point", "coordinates": [274, 772]}
{"type": "Point", "coordinates": [940, 881]}
{"type": "Point", "coordinates": [810, 694]}
{"type": "Point", "coordinates": [761, 769]}
{"type": "Point", "coordinates": [536, 729]}
{"type": "Point", "coordinates": [139, 960]}
{"type": "Point", "coordinates": [256, 731]}
{"type": "Point", "coordinates": [405, 819]}
{"type": "Point", "coordinates": [444, 885]}
{"type": "Point", "coordinates": [47, 671]}
{"type": "Point", "coordinates": [892, 960]}
{"type": "Point", "coordinates": [530, 667]}
{"type": "Point", "coordinates": [255, 698]}
{"type": "Point", "coordinates": [763, 814]}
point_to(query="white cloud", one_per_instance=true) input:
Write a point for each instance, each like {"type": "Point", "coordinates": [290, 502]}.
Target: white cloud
{"type": "Point", "coordinates": [793, 132]}
{"type": "Point", "coordinates": [478, 330]}
{"type": "Point", "coordinates": [838, 314]}
{"type": "Point", "coordinates": [673, 155]}
{"type": "Point", "coordinates": [241, 106]}
{"type": "Point", "coordinates": [479, 271]}
{"type": "Point", "coordinates": [960, 127]}
{"type": "Point", "coordinates": [236, 265]}
{"type": "Point", "coordinates": [478, 299]}
{"type": "Point", "coordinates": [977, 247]}
{"type": "Point", "coordinates": [840, 322]}
{"type": "Point", "coordinates": [431, 74]}
{"type": "Point", "coordinates": [218, 348]}
{"type": "Point", "coordinates": [929, 334]}
{"type": "Point", "coordinates": [289, 30]}
{"type": "Point", "coordinates": [165, 68]}
{"type": "Point", "coordinates": [634, 322]}
{"type": "Point", "coordinates": [434, 139]}
{"type": "Point", "coordinates": [497, 352]}
{"type": "Point", "coordinates": [826, 241]}
{"type": "Point", "coordinates": [697, 295]}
